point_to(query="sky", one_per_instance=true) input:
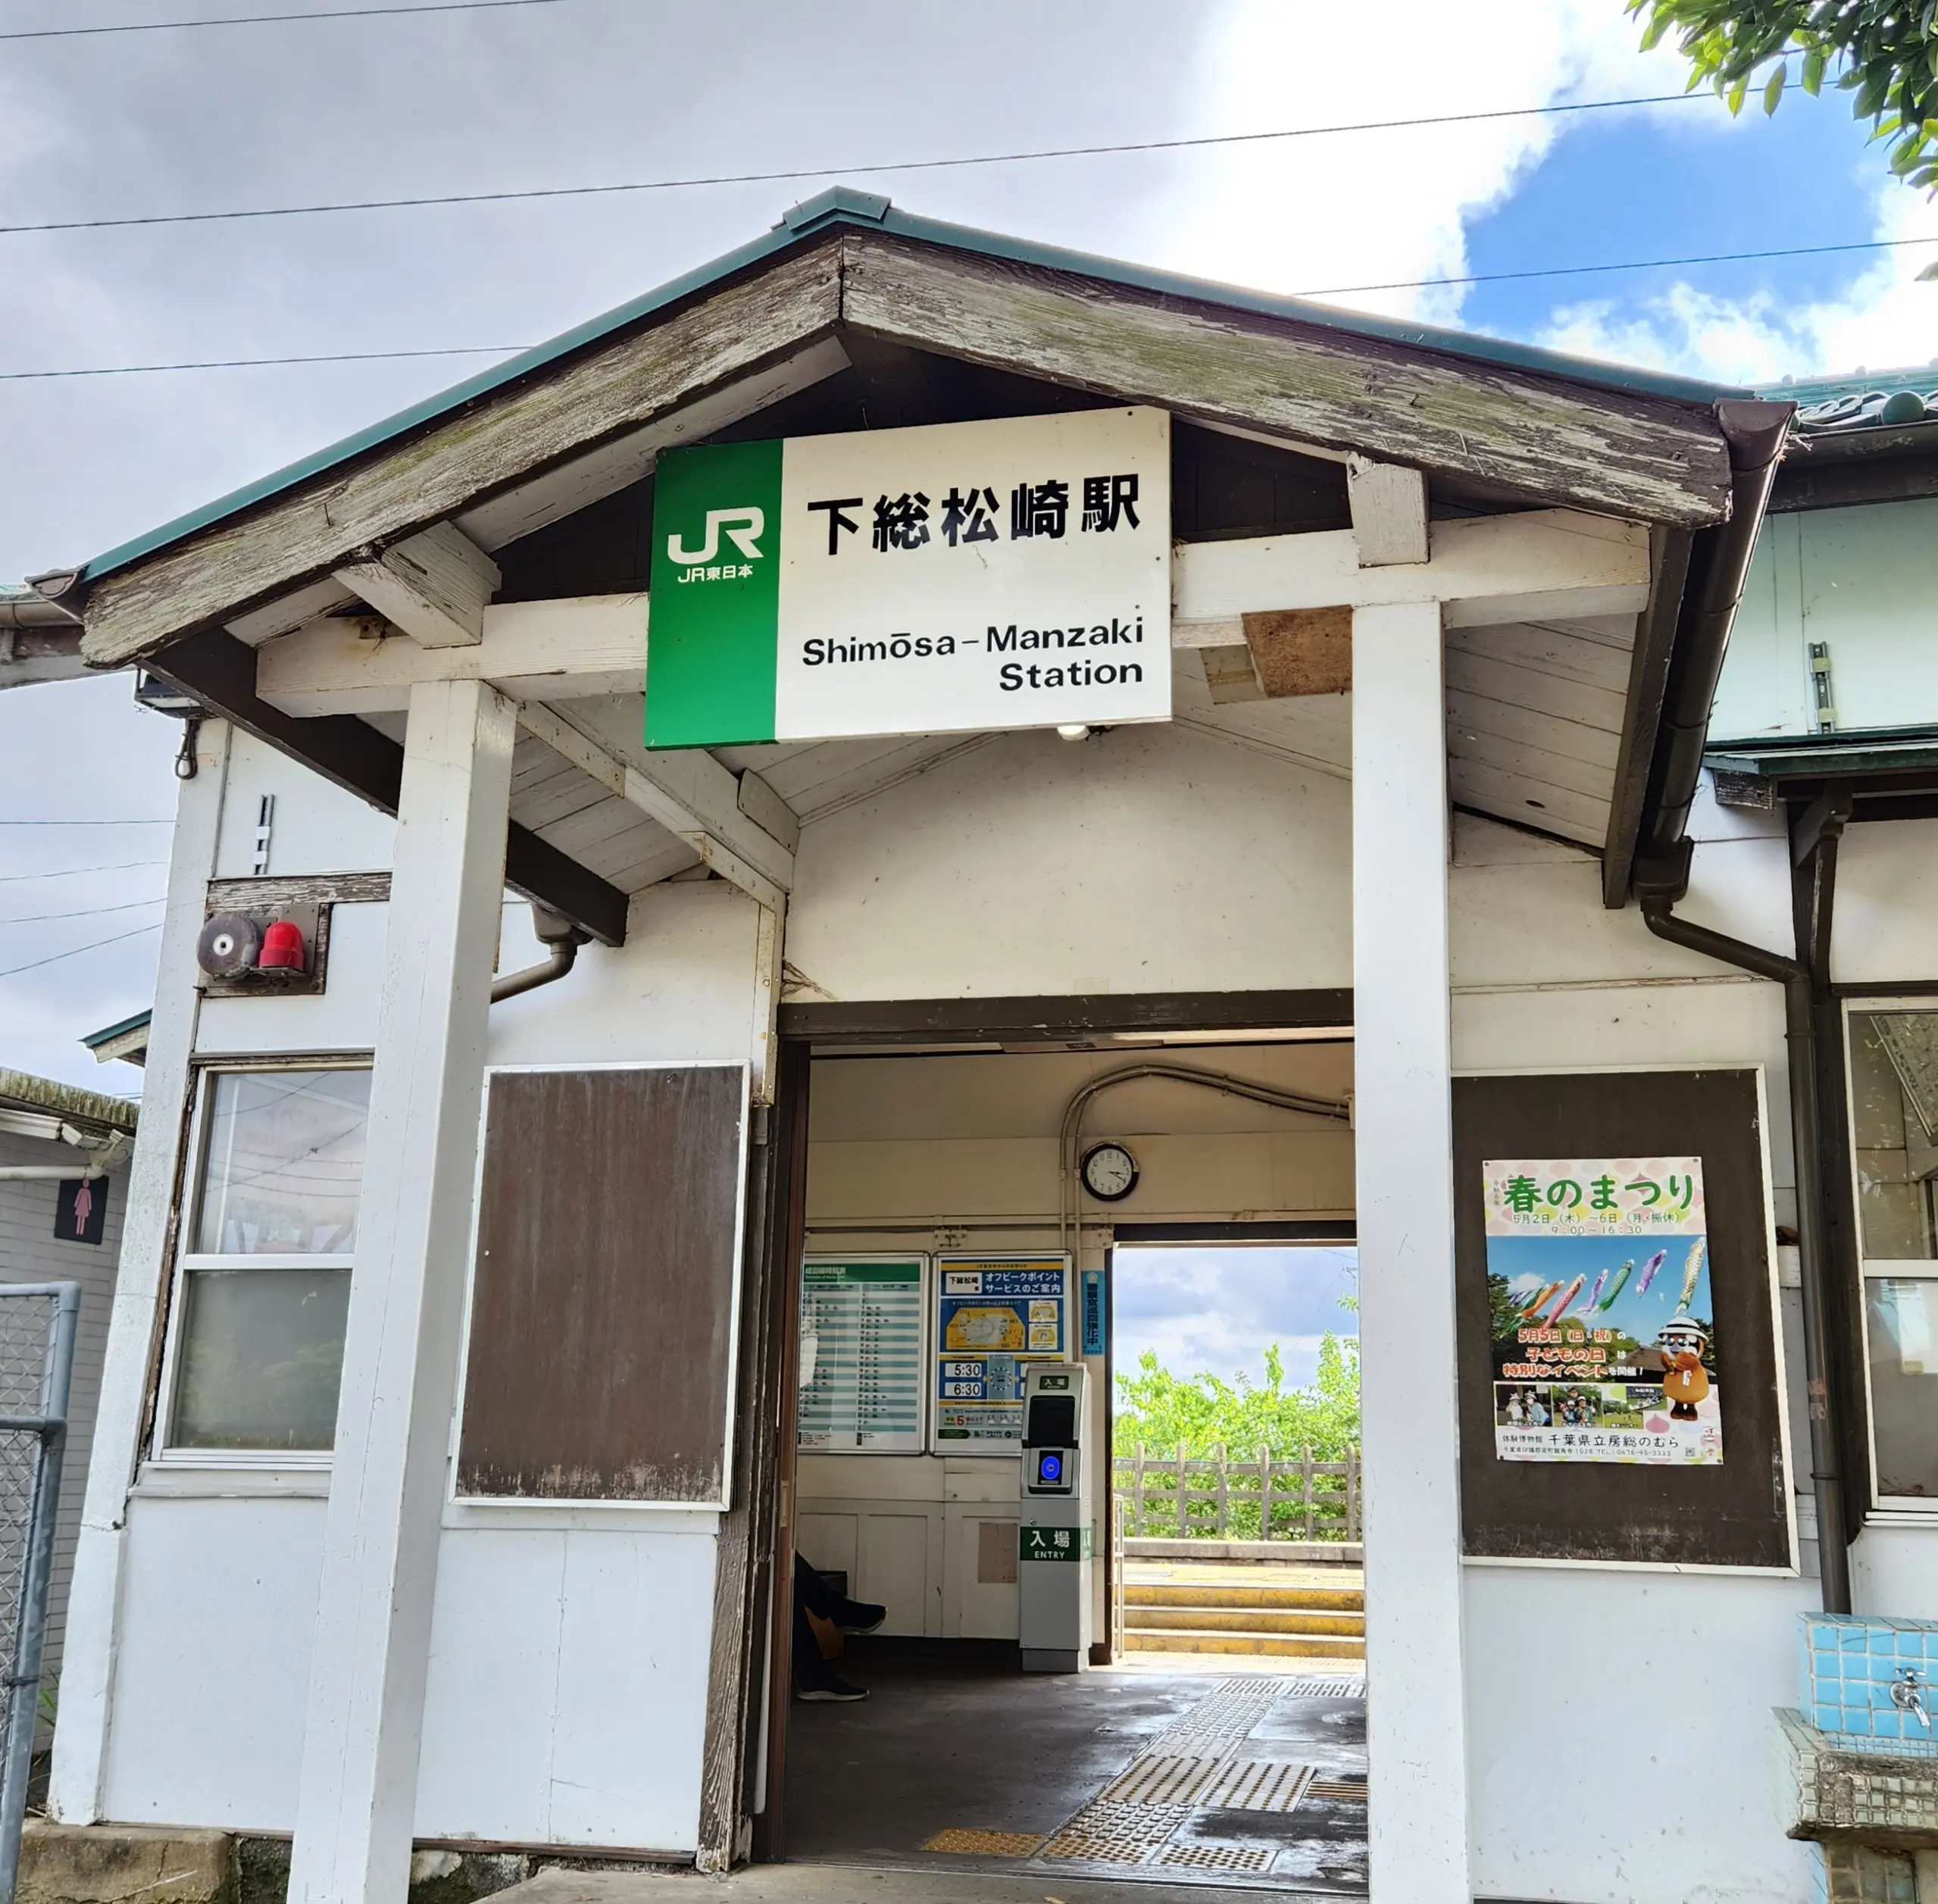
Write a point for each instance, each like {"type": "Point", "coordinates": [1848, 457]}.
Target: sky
{"type": "Point", "coordinates": [581, 92]}
{"type": "Point", "coordinates": [1215, 1310]}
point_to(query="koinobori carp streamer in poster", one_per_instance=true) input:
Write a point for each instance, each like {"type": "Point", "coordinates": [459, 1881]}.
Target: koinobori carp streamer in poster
{"type": "Point", "coordinates": [1626, 1373]}
{"type": "Point", "coordinates": [1692, 1272]}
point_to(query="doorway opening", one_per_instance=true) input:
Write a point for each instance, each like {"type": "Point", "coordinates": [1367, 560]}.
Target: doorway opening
{"type": "Point", "coordinates": [935, 1179]}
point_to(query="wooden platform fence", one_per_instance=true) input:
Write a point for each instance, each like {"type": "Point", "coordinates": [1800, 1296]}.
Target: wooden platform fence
{"type": "Point", "coordinates": [1214, 1498]}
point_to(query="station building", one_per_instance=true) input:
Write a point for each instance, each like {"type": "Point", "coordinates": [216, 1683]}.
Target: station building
{"type": "Point", "coordinates": [447, 1479]}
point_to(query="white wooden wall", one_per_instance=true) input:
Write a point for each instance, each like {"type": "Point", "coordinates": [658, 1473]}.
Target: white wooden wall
{"type": "Point", "coordinates": [1857, 579]}
{"type": "Point", "coordinates": [1544, 976]}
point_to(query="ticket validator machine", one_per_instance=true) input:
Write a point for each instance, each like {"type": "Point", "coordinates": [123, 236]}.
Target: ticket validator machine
{"type": "Point", "coordinates": [1053, 1570]}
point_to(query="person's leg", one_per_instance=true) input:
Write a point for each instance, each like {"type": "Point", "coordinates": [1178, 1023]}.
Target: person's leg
{"type": "Point", "coordinates": [812, 1591]}
{"type": "Point", "coordinates": [814, 1679]}
{"type": "Point", "coordinates": [851, 1616]}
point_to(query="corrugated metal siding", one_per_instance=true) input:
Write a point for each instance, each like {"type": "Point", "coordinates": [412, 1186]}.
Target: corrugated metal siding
{"type": "Point", "coordinates": [29, 1252]}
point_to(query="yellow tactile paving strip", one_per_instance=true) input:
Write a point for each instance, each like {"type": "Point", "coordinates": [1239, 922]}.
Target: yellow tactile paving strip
{"type": "Point", "coordinates": [986, 1844]}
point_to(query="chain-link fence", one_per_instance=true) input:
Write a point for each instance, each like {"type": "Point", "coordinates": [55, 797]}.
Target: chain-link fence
{"type": "Point", "coordinates": [37, 1324]}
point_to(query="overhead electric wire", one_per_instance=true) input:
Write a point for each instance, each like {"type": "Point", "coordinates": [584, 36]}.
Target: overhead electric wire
{"type": "Point", "coordinates": [796, 173]}
{"type": "Point", "coordinates": [76, 872]}
{"type": "Point", "coordinates": [1329, 291]}
{"type": "Point", "coordinates": [86, 912]}
{"type": "Point", "coordinates": [272, 19]}
{"type": "Point", "coordinates": [1632, 264]}
{"type": "Point", "coordinates": [86, 823]}
{"type": "Point", "coordinates": [259, 363]}
{"type": "Point", "coordinates": [74, 951]}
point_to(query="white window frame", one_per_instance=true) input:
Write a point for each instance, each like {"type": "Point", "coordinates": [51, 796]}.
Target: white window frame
{"type": "Point", "coordinates": [187, 1261]}
{"type": "Point", "coordinates": [1899, 1509]}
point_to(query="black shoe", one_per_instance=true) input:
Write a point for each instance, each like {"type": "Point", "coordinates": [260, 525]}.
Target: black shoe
{"type": "Point", "coordinates": [829, 1688]}
{"type": "Point", "coordinates": [859, 1616]}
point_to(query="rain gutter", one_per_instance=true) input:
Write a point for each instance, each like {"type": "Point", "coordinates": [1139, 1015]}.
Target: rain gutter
{"type": "Point", "coordinates": [1757, 432]}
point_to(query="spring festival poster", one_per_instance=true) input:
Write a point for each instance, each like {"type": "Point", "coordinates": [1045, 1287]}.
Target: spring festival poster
{"type": "Point", "coordinates": [1603, 1332]}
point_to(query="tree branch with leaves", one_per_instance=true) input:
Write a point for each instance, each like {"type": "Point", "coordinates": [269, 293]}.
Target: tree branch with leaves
{"type": "Point", "coordinates": [1884, 52]}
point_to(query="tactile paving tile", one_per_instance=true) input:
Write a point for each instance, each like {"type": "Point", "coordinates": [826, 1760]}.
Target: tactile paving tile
{"type": "Point", "coordinates": [1160, 1778]}
{"type": "Point", "coordinates": [1330, 1687]}
{"type": "Point", "coordinates": [1218, 1857]}
{"type": "Point", "coordinates": [1106, 1833]}
{"type": "Point", "coordinates": [1218, 1721]}
{"type": "Point", "coordinates": [986, 1844]}
{"type": "Point", "coordinates": [1352, 1790]}
{"type": "Point", "coordinates": [1255, 1785]}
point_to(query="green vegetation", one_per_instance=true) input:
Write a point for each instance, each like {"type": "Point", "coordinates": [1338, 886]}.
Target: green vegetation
{"type": "Point", "coordinates": [1194, 1414]}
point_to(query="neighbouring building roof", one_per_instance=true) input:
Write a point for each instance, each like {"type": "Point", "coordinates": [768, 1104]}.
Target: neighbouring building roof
{"type": "Point", "coordinates": [127, 1040]}
{"type": "Point", "coordinates": [1864, 400]}
{"type": "Point", "coordinates": [26, 1095]}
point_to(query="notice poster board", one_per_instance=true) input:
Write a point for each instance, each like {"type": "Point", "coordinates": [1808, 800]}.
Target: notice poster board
{"type": "Point", "coordinates": [1620, 1369]}
{"type": "Point", "coordinates": [994, 1316]}
{"type": "Point", "coordinates": [861, 1362]}
{"type": "Point", "coordinates": [1599, 1308]}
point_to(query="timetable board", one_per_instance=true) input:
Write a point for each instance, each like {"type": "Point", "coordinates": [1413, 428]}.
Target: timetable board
{"type": "Point", "coordinates": [861, 1354]}
{"type": "Point", "coordinates": [994, 1315]}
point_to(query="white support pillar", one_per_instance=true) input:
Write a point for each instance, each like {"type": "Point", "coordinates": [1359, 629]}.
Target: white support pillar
{"type": "Point", "coordinates": [94, 1601]}
{"type": "Point", "coordinates": [358, 1795]}
{"type": "Point", "coordinates": [1416, 1715]}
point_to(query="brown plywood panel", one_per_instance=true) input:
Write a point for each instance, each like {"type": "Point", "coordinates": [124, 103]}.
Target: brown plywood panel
{"type": "Point", "coordinates": [600, 1361]}
{"type": "Point", "coordinates": [1302, 651]}
{"type": "Point", "coordinates": [1735, 1514]}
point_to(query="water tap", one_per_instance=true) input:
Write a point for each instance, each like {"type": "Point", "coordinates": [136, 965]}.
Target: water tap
{"type": "Point", "coordinates": [1908, 1690]}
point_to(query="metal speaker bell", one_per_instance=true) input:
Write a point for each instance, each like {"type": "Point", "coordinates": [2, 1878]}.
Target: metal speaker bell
{"type": "Point", "coordinates": [229, 944]}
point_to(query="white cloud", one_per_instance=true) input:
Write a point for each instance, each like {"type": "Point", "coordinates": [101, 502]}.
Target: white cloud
{"type": "Point", "coordinates": [1886, 319]}
{"type": "Point", "coordinates": [1307, 214]}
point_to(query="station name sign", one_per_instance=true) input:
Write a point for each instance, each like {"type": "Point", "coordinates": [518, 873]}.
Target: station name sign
{"type": "Point", "coordinates": [954, 577]}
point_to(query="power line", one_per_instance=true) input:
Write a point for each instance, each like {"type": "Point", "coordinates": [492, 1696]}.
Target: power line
{"type": "Point", "coordinates": [272, 19]}
{"type": "Point", "coordinates": [1330, 291]}
{"type": "Point", "coordinates": [845, 171]}
{"type": "Point", "coordinates": [86, 823]}
{"type": "Point", "coordinates": [74, 951]}
{"type": "Point", "coordinates": [258, 363]}
{"type": "Point", "coordinates": [86, 912]}
{"type": "Point", "coordinates": [1635, 265]}
{"type": "Point", "coordinates": [75, 872]}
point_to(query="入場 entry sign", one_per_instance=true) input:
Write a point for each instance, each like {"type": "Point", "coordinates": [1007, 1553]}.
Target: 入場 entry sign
{"type": "Point", "coordinates": [957, 577]}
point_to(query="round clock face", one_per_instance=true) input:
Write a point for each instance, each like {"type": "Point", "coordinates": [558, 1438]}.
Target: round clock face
{"type": "Point", "coordinates": [1109, 1172]}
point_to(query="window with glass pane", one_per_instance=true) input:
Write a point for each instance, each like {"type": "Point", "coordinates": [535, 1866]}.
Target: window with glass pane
{"type": "Point", "coordinates": [265, 1277]}
{"type": "Point", "coordinates": [1894, 1130]}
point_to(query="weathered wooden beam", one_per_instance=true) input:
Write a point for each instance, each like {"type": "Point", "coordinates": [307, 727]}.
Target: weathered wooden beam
{"type": "Point", "coordinates": [406, 485]}
{"type": "Point", "coordinates": [529, 650]}
{"type": "Point", "coordinates": [689, 793]}
{"type": "Point", "coordinates": [1388, 512]}
{"type": "Point", "coordinates": [433, 584]}
{"type": "Point", "coordinates": [1648, 458]}
{"type": "Point", "coordinates": [1544, 564]}
{"type": "Point", "coordinates": [220, 672]}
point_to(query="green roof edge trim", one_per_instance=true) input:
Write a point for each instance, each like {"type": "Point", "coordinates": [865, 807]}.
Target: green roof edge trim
{"type": "Point", "coordinates": [95, 1040]}
{"type": "Point", "coordinates": [841, 206]}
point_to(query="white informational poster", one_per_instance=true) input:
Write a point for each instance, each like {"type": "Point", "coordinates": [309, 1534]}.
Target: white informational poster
{"type": "Point", "coordinates": [861, 1362]}
{"type": "Point", "coordinates": [994, 1316]}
